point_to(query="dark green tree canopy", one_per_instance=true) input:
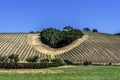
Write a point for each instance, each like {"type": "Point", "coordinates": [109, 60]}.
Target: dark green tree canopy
{"type": "Point", "coordinates": [67, 28]}
{"type": "Point", "coordinates": [95, 30]}
{"type": "Point", "coordinates": [13, 58]}
{"type": "Point", "coordinates": [86, 29]}
{"type": "Point", "coordinates": [117, 34]}
{"type": "Point", "coordinates": [50, 36]}
{"type": "Point", "coordinates": [32, 59]}
{"type": "Point", "coordinates": [56, 38]}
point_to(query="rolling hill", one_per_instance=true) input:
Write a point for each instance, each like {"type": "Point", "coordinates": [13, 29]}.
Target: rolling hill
{"type": "Point", "coordinates": [94, 47]}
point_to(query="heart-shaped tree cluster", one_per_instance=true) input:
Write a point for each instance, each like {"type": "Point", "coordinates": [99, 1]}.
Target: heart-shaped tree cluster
{"type": "Point", "coordinates": [56, 38]}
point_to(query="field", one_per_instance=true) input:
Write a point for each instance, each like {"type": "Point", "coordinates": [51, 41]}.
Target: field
{"type": "Point", "coordinates": [64, 73]}
{"type": "Point", "coordinates": [95, 47]}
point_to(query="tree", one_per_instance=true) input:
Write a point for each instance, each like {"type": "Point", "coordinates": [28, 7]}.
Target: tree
{"type": "Point", "coordinates": [31, 31]}
{"type": "Point", "coordinates": [86, 29]}
{"type": "Point", "coordinates": [67, 28]}
{"type": "Point", "coordinates": [117, 34]}
{"type": "Point", "coordinates": [13, 58]}
{"type": "Point", "coordinates": [94, 30]}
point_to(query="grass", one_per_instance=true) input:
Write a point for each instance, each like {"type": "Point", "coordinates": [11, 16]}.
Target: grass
{"type": "Point", "coordinates": [69, 73]}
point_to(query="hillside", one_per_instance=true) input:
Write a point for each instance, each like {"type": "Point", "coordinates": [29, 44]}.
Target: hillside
{"type": "Point", "coordinates": [94, 47]}
{"type": "Point", "coordinates": [97, 48]}
{"type": "Point", "coordinates": [15, 43]}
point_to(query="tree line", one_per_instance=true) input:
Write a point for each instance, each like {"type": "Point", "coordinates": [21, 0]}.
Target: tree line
{"type": "Point", "coordinates": [33, 62]}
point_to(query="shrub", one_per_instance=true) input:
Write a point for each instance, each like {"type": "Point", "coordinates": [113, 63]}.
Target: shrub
{"type": "Point", "coordinates": [9, 65]}
{"type": "Point", "coordinates": [32, 59]}
{"type": "Point", "coordinates": [2, 59]}
{"type": "Point", "coordinates": [57, 62]}
{"type": "Point", "coordinates": [44, 60]}
{"type": "Point", "coordinates": [110, 63]}
{"type": "Point", "coordinates": [68, 62]}
{"type": "Point", "coordinates": [86, 63]}
{"type": "Point", "coordinates": [13, 58]}
{"type": "Point", "coordinates": [27, 65]}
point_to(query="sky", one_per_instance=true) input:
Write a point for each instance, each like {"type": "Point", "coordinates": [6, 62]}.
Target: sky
{"type": "Point", "coordinates": [34, 15]}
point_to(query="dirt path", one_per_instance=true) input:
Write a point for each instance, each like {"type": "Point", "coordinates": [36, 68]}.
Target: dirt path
{"type": "Point", "coordinates": [33, 40]}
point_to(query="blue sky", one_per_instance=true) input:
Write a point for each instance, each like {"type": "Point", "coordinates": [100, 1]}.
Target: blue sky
{"type": "Point", "coordinates": [34, 15]}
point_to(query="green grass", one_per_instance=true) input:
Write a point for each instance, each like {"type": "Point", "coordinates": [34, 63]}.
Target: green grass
{"type": "Point", "coordinates": [71, 73]}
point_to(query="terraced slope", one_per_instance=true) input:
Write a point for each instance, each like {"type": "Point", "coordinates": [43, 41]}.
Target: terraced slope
{"type": "Point", "coordinates": [94, 47]}
{"type": "Point", "coordinates": [97, 48]}
{"type": "Point", "coordinates": [15, 43]}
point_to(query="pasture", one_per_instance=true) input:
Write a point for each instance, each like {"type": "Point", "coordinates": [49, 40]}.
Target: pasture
{"type": "Point", "coordinates": [64, 73]}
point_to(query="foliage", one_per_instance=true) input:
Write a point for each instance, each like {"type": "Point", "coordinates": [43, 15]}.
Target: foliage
{"type": "Point", "coordinates": [68, 62]}
{"type": "Point", "coordinates": [2, 59]}
{"type": "Point", "coordinates": [32, 59]}
{"type": "Point", "coordinates": [13, 58]}
{"type": "Point", "coordinates": [110, 63]}
{"type": "Point", "coordinates": [37, 31]}
{"type": "Point", "coordinates": [86, 29]}
{"type": "Point", "coordinates": [50, 36]}
{"type": "Point", "coordinates": [86, 63]}
{"type": "Point", "coordinates": [44, 60]}
{"type": "Point", "coordinates": [27, 65]}
{"type": "Point", "coordinates": [94, 30]}
{"type": "Point", "coordinates": [68, 28]}
{"type": "Point", "coordinates": [57, 61]}
{"type": "Point", "coordinates": [56, 38]}
{"type": "Point", "coordinates": [31, 31]}
{"type": "Point", "coordinates": [117, 34]}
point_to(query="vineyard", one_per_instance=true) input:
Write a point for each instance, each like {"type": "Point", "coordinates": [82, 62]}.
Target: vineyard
{"type": "Point", "coordinates": [97, 48]}
{"type": "Point", "coordinates": [94, 47]}
{"type": "Point", "coordinates": [15, 43]}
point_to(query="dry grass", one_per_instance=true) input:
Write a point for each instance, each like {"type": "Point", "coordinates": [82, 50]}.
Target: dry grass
{"type": "Point", "coordinates": [30, 71]}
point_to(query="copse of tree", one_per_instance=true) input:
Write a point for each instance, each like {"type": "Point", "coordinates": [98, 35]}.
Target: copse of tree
{"type": "Point", "coordinates": [51, 36]}
{"type": "Point", "coordinates": [56, 38]}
